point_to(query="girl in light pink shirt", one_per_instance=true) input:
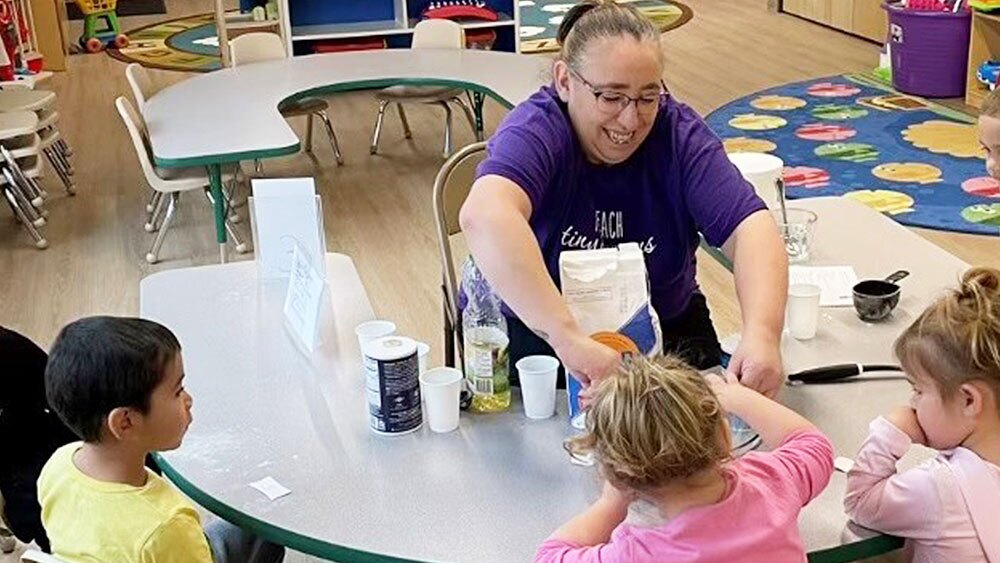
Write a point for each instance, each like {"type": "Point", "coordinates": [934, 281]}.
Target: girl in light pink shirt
{"type": "Point", "coordinates": [659, 435]}
{"type": "Point", "coordinates": [948, 508]}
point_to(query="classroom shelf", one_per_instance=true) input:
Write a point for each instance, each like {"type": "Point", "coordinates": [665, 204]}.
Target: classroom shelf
{"type": "Point", "coordinates": [310, 21]}
{"type": "Point", "coordinates": [984, 44]}
{"type": "Point", "coordinates": [503, 20]}
{"type": "Point", "coordinates": [346, 30]}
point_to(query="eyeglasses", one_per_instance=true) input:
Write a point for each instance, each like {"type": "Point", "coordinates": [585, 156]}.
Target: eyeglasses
{"type": "Point", "coordinates": [611, 102]}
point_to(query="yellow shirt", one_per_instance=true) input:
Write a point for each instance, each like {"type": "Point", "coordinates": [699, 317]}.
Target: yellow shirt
{"type": "Point", "coordinates": [91, 521]}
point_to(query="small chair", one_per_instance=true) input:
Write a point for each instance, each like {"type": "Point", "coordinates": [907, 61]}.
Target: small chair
{"type": "Point", "coordinates": [19, 167]}
{"type": "Point", "coordinates": [34, 556]}
{"type": "Point", "coordinates": [260, 47]}
{"type": "Point", "coordinates": [142, 84]}
{"type": "Point", "coordinates": [171, 182]}
{"type": "Point", "coordinates": [428, 34]}
{"type": "Point", "coordinates": [451, 188]}
{"type": "Point", "coordinates": [55, 148]}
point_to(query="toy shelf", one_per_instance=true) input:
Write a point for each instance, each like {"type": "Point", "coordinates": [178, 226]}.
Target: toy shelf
{"type": "Point", "coordinates": [309, 22]}
{"type": "Point", "coordinates": [984, 45]}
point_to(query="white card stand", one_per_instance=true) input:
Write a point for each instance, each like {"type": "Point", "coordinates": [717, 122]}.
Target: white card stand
{"type": "Point", "coordinates": [303, 301]}
{"type": "Point", "coordinates": [284, 213]}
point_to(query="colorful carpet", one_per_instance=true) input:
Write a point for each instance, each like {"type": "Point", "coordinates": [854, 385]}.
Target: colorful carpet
{"type": "Point", "coordinates": [540, 19]}
{"type": "Point", "coordinates": [916, 161]}
{"type": "Point", "coordinates": [186, 44]}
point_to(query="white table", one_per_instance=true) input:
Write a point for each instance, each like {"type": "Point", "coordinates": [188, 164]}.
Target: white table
{"type": "Point", "coordinates": [232, 114]}
{"type": "Point", "coordinates": [850, 233]}
{"type": "Point", "coordinates": [490, 491]}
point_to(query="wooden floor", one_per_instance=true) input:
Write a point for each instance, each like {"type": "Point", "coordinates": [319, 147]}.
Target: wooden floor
{"type": "Point", "coordinates": [377, 208]}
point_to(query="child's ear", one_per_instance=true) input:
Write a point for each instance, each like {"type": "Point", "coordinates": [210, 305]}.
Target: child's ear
{"type": "Point", "coordinates": [120, 421]}
{"type": "Point", "coordinates": [971, 397]}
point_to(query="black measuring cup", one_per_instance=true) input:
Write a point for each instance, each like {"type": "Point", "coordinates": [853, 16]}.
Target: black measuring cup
{"type": "Point", "coordinates": [875, 299]}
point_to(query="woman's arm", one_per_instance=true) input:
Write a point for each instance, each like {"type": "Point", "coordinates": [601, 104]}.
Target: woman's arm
{"type": "Point", "coordinates": [760, 266]}
{"type": "Point", "coordinates": [494, 219]}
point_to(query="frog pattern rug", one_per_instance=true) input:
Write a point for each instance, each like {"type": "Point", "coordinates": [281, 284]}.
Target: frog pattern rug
{"type": "Point", "coordinates": [918, 162]}
{"type": "Point", "coordinates": [540, 19]}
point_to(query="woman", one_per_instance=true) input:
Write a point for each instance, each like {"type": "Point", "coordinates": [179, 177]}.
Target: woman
{"type": "Point", "coordinates": [603, 156]}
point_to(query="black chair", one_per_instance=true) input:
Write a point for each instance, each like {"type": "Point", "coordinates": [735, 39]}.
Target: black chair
{"type": "Point", "coordinates": [29, 433]}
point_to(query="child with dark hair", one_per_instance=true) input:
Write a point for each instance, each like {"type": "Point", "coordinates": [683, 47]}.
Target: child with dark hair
{"type": "Point", "coordinates": [118, 383]}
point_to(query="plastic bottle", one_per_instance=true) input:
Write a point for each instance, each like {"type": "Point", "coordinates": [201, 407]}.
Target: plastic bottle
{"type": "Point", "coordinates": [485, 339]}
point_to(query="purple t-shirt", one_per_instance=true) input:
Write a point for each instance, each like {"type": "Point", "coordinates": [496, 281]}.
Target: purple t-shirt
{"type": "Point", "coordinates": [678, 183]}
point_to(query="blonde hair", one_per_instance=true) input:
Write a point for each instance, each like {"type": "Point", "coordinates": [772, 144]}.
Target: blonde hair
{"type": "Point", "coordinates": [957, 339]}
{"type": "Point", "coordinates": [653, 422]}
{"type": "Point", "coordinates": [592, 20]}
{"type": "Point", "coordinates": [991, 105]}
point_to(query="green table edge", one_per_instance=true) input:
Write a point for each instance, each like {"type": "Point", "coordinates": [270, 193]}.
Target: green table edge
{"type": "Point", "coordinates": [370, 84]}
{"type": "Point", "coordinates": [287, 538]}
{"type": "Point", "coordinates": [869, 547]}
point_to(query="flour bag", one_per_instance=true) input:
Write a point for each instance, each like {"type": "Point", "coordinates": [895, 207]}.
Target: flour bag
{"type": "Point", "coordinates": [607, 291]}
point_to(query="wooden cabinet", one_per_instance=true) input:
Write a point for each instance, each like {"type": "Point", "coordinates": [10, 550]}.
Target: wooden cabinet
{"type": "Point", "coordinates": [865, 18]}
{"type": "Point", "coordinates": [984, 44]}
{"type": "Point", "coordinates": [51, 31]}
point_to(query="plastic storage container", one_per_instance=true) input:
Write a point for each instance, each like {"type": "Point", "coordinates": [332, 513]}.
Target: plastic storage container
{"type": "Point", "coordinates": [930, 51]}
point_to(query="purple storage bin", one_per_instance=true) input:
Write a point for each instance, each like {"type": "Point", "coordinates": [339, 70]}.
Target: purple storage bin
{"type": "Point", "coordinates": [930, 51]}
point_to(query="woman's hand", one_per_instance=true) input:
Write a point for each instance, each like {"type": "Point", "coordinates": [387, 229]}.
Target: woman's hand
{"type": "Point", "coordinates": [757, 364]}
{"type": "Point", "coordinates": [905, 418]}
{"type": "Point", "coordinates": [586, 359]}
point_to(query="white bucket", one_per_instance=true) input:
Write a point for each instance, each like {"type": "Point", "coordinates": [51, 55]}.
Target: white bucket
{"type": "Point", "coordinates": [763, 171]}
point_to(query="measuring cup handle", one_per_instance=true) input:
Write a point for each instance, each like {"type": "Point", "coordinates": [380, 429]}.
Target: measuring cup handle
{"type": "Point", "coordinates": [896, 276]}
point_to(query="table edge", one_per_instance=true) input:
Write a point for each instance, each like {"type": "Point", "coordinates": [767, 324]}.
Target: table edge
{"type": "Point", "coordinates": [367, 84]}
{"type": "Point", "coordinates": [270, 532]}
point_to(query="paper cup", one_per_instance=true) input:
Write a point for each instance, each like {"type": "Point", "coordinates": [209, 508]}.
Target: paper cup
{"type": "Point", "coordinates": [442, 386]}
{"type": "Point", "coordinates": [371, 330]}
{"type": "Point", "coordinates": [537, 375]}
{"type": "Point", "coordinates": [423, 352]}
{"type": "Point", "coordinates": [803, 310]}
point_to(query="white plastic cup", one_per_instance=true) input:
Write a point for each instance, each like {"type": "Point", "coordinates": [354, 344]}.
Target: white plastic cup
{"type": "Point", "coordinates": [423, 352]}
{"type": "Point", "coordinates": [442, 387]}
{"type": "Point", "coordinates": [803, 310]}
{"type": "Point", "coordinates": [537, 375]}
{"type": "Point", "coordinates": [372, 330]}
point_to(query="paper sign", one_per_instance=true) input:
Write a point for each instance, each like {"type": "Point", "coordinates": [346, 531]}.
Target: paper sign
{"type": "Point", "coordinates": [835, 282]}
{"type": "Point", "coordinates": [271, 488]}
{"type": "Point", "coordinates": [304, 298]}
{"type": "Point", "coordinates": [286, 213]}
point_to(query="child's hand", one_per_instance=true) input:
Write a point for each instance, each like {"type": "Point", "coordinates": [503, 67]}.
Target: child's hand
{"type": "Point", "coordinates": [725, 389]}
{"type": "Point", "coordinates": [905, 418]}
{"type": "Point", "coordinates": [615, 496]}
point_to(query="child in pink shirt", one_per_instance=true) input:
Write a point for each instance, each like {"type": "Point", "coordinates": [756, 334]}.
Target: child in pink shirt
{"type": "Point", "coordinates": [659, 435]}
{"type": "Point", "coordinates": [948, 507]}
